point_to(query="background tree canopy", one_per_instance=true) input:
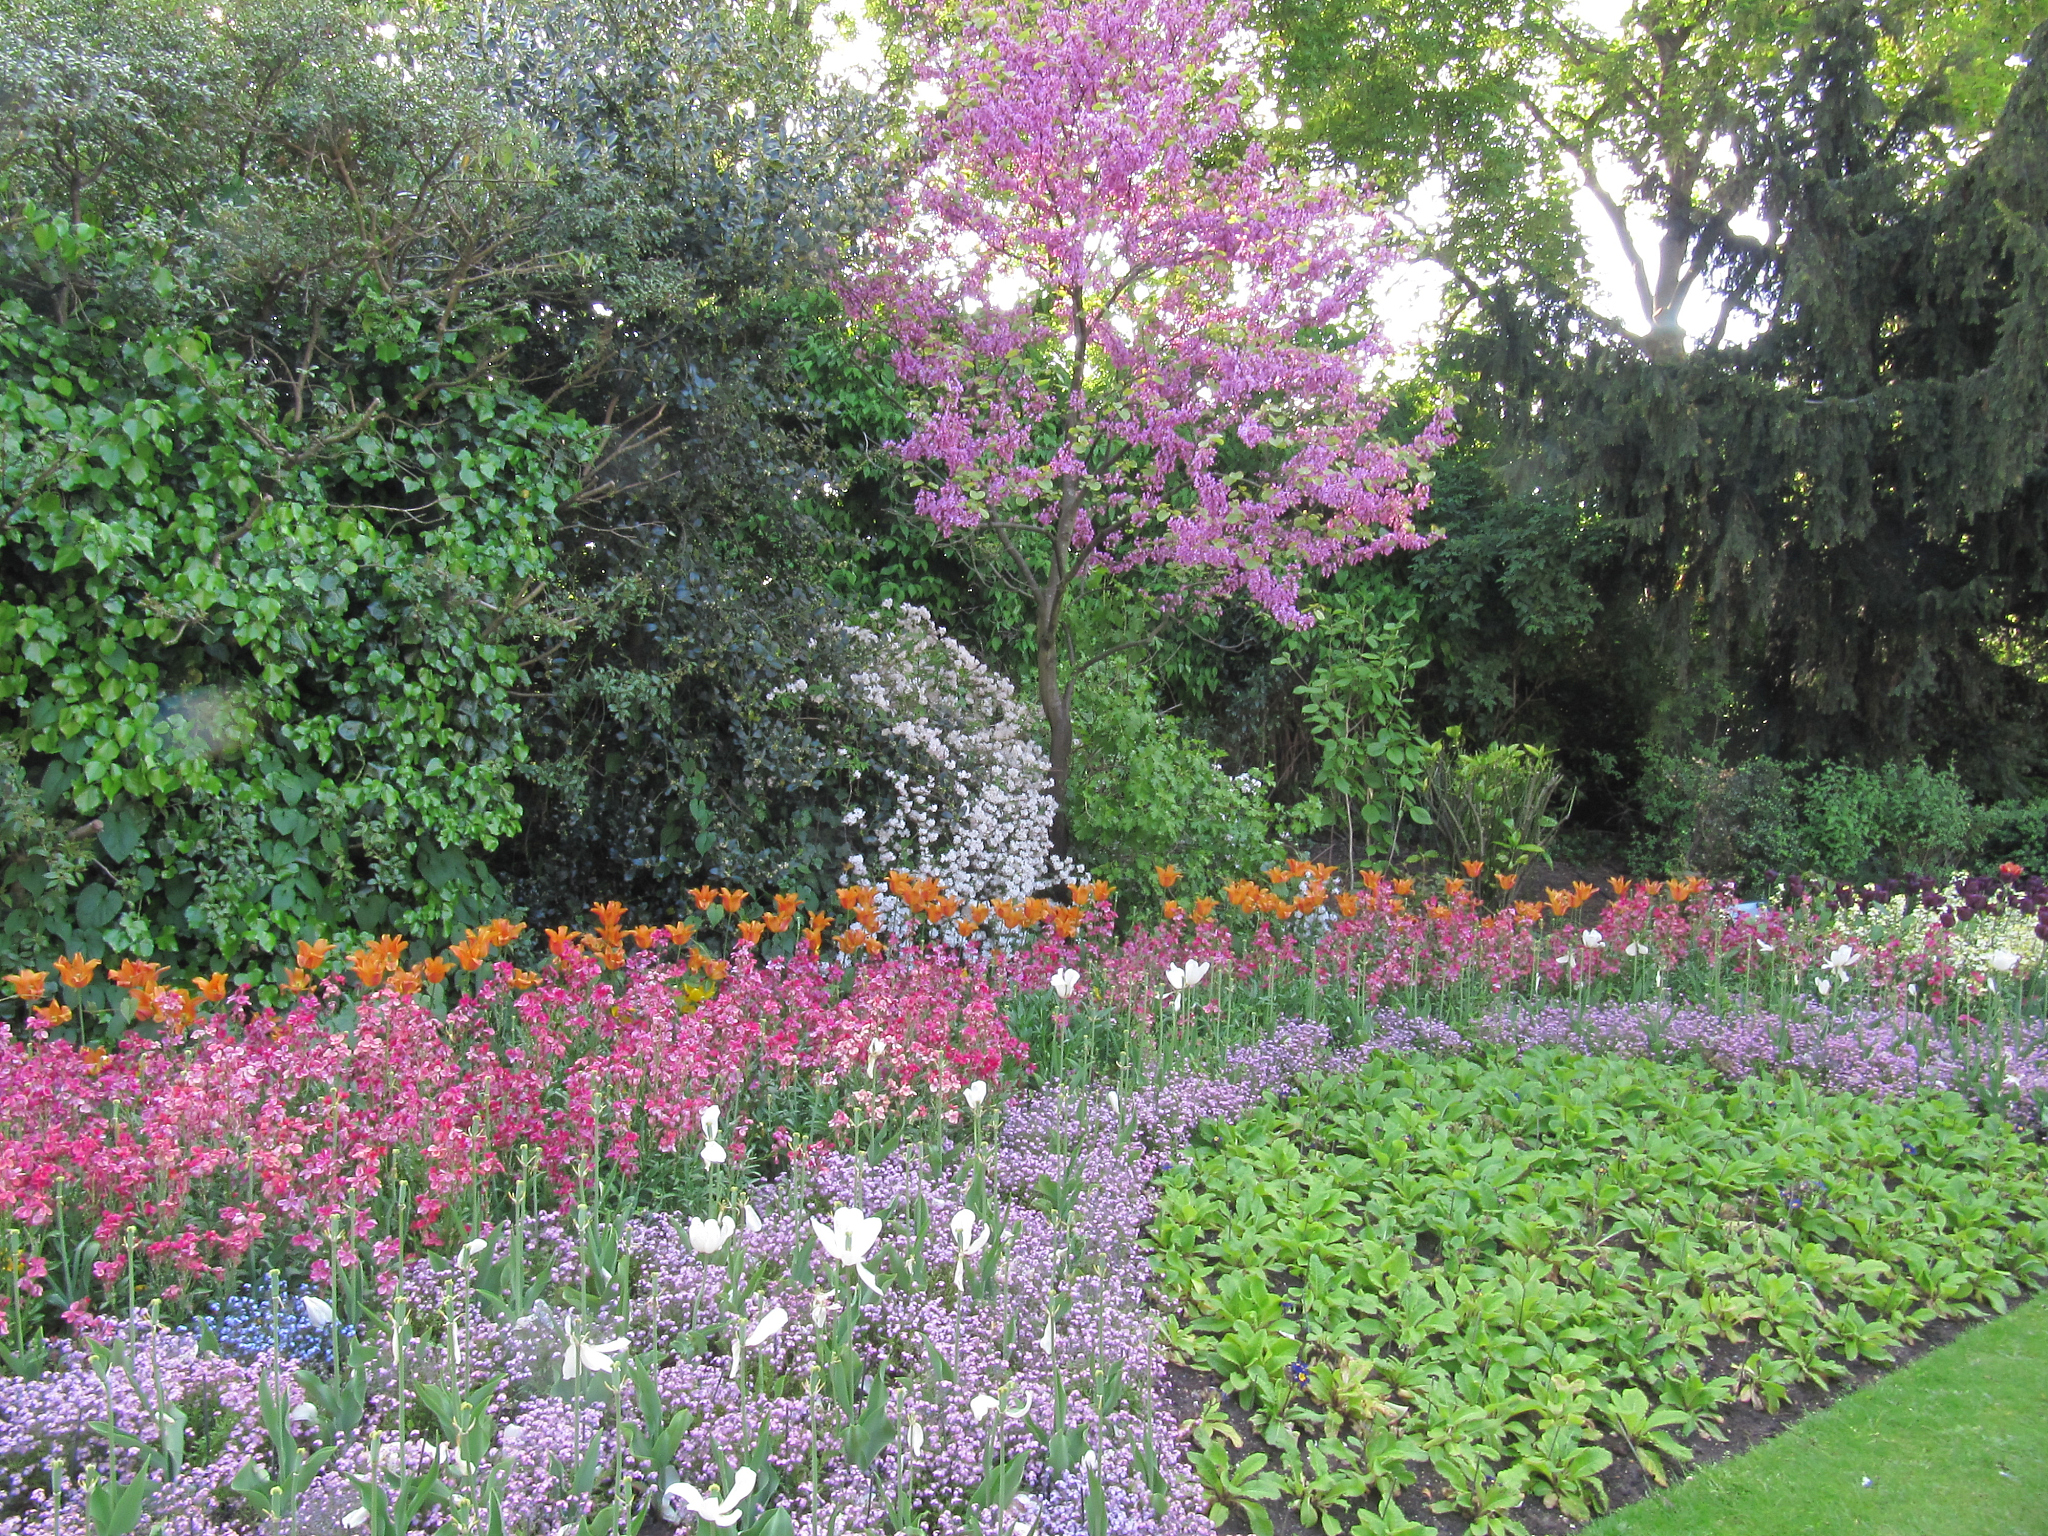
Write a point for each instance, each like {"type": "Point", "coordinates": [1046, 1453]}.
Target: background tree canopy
{"type": "Point", "coordinates": [432, 459]}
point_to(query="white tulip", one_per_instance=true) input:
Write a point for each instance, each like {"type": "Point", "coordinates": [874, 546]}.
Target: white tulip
{"type": "Point", "coordinates": [321, 1314]}
{"type": "Point", "coordinates": [713, 1154]}
{"type": "Point", "coordinates": [982, 1406]}
{"type": "Point", "coordinates": [1047, 1338]}
{"type": "Point", "coordinates": [877, 1049]}
{"type": "Point", "coordinates": [1181, 977]}
{"type": "Point", "coordinates": [1593, 938]}
{"type": "Point", "coordinates": [579, 1357]}
{"type": "Point", "coordinates": [770, 1325]}
{"type": "Point", "coordinates": [916, 1438]}
{"type": "Point", "coordinates": [976, 1094]}
{"type": "Point", "coordinates": [1017, 1407]}
{"type": "Point", "coordinates": [1840, 961]}
{"type": "Point", "coordinates": [963, 1230]}
{"type": "Point", "coordinates": [1635, 950]}
{"type": "Point", "coordinates": [849, 1240]}
{"type": "Point", "coordinates": [721, 1512]}
{"type": "Point", "coordinates": [2001, 960]}
{"type": "Point", "coordinates": [707, 1117]}
{"type": "Point", "coordinates": [1063, 982]}
{"type": "Point", "coordinates": [707, 1237]}
{"type": "Point", "coordinates": [356, 1518]}
{"type": "Point", "coordinates": [1116, 1102]}
{"type": "Point", "coordinates": [821, 1308]}
{"type": "Point", "coordinates": [305, 1413]}
{"type": "Point", "coordinates": [1824, 986]}
{"type": "Point", "coordinates": [472, 1248]}
{"type": "Point", "coordinates": [751, 1221]}
{"type": "Point", "coordinates": [1769, 949]}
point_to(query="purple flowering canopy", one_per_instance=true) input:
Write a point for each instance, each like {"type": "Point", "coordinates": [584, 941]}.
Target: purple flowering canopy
{"type": "Point", "coordinates": [1094, 278]}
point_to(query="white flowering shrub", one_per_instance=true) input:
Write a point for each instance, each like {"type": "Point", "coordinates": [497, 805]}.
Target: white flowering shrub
{"type": "Point", "coordinates": [968, 800]}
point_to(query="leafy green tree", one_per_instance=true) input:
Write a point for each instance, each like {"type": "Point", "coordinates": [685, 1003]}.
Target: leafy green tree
{"type": "Point", "coordinates": [705, 179]}
{"type": "Point", "coordinates": [275, 702]}
{"type": "Point", "coordinates": [544, 264]}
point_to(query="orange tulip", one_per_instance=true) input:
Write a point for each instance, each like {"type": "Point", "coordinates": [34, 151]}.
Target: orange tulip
{"type": "Point", "coordinates": [714, 970]}
{"type": "Point", "coordinates": [76, 970]}
{"type": "Point", "coordinates": [213, 988]}
{"type": "Point", "coordinates": [525, 981]}
{"type": "Point", "coordinates": [503, 930]}
{"type": "Point", "coordinates": [470, 953]}
{"type": "Point", "coordinates": [368, 965]}
{"type": "Point", "coordinates": [561, 942]}
{"type": "Point", "coordinates": [297, 980]}
{"type": "Point", "coordinates": [1404, 887]}
{"type": "Point", "coordinates": [1473, 868]}
{"type": "Point", "coordinates": [28, 985]}
{"type": "Point", "coordinates": [137, 975]}
{"type": "Point", "coordinates": [1205, 908]}
{"type": "Point", "coordinates": [435, 969]}
{"type": "Point", "coordinates": [1506, 879]}
{"type": "Point", "coordinates": [750, 932]}
{"type": "Point", "coordinates": [609, 914]}
{"type": "Point", "coordinates": [680, 934]}
{"type": "Point", "coordinates": [53, 1014]}
{"type": "Point", "coordinates": [732, 899]}
{"type": "Point", "coordinates": [1168, 875]}
{"type": "Point", "coordinates": [1171, 912]}
{"type": "Point", "coordinates": [314, 955]}
{"type": "Point", "coordinates": [1617, 884]}
{"type": "Point", "coordinates": [404, 982]}
{"type": "Point", "coordinates": [1347, 904]}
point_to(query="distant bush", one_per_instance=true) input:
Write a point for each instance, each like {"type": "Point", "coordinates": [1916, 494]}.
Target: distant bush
{"type": "Point", "coordinates": [1147, 792]}
{"type": "Point", "coordinates": [1756, 821]}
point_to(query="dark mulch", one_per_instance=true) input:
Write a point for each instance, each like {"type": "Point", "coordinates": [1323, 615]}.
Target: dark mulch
{"type": "Point", "coordinates": [1185, 1390]}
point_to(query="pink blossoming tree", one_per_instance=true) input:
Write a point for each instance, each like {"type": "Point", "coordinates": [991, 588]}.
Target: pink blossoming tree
{"type": "Point", "coordinates": [1135, 344]}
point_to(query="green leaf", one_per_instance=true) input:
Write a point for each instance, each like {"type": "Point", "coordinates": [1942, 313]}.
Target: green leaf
{"type": "Point", "coordinates": [97, 906]}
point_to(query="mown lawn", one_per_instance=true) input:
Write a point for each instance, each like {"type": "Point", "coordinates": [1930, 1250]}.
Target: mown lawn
{"type": "Point", "coordinates": [1955, 1444]}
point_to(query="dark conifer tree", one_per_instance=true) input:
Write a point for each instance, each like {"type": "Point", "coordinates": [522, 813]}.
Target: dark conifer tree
{"type": "Point", "coordinates": [1840, 520]}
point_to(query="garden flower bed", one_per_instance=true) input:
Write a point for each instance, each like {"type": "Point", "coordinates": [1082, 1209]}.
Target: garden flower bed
{"type": "Point", "coordinates": [858, 1238]}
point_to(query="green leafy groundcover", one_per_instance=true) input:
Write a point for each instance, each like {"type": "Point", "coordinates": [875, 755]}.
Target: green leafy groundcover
{"type": "Point", "coordinates": [1491, 1284]}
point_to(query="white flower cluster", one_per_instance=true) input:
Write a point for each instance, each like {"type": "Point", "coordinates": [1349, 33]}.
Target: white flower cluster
{"type": "Point", "coordinates": [973, 790]}
{"type": "Point", "coordinates": [1990, 944]}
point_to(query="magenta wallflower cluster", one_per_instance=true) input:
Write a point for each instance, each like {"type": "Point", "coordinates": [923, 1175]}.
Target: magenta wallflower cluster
{"type": "Point", "coordinates": [988, 1319]}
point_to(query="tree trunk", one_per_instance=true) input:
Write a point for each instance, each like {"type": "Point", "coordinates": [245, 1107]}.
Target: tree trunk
{"type": "Point", "coordinates": [1059, 714]}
